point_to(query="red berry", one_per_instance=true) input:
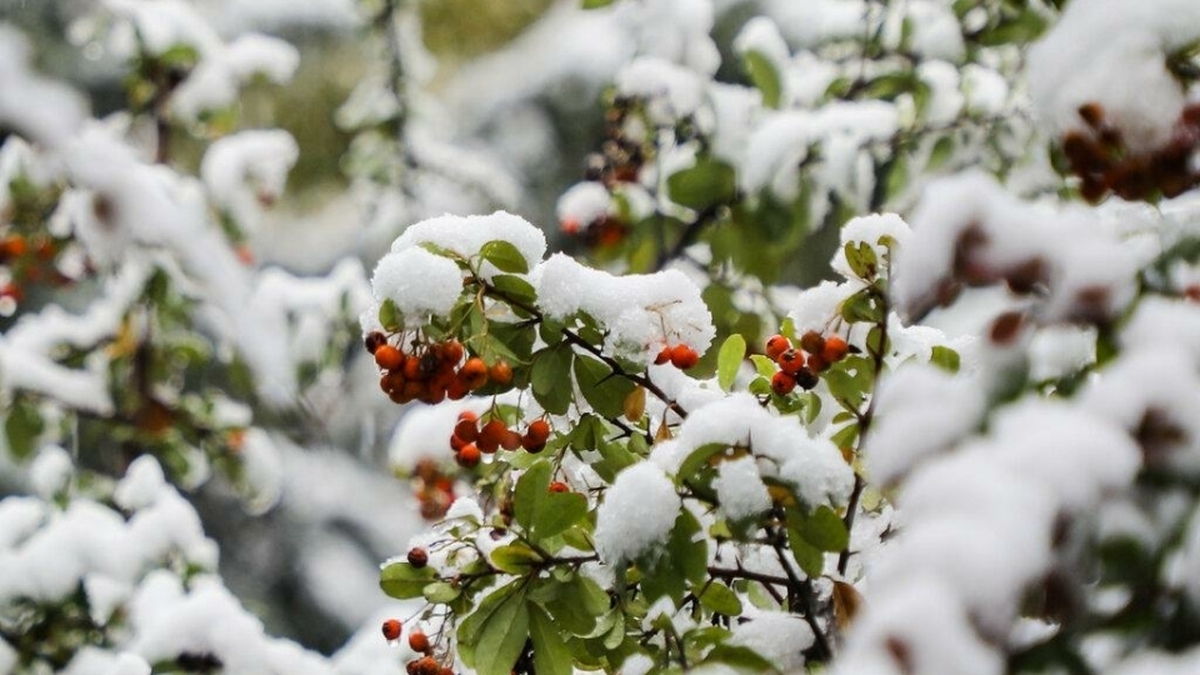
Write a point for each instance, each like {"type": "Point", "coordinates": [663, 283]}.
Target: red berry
{"type": "Point", "coordinates": [812, 342]}
{"type": "Point", "coordinates": [457, 442]}
{"type": "Point", "coordinates": [512, 440]}
{"type": "Point", "coordinates": [684, 357]}
{"type": "Point", "coordinates": [469, 456]}
{"type": "Point", "coordinates": [539, 430]}
{"type": "Point", "coordinates": [474, 373]}
{"type": "Point", "coordinates": [559, 486]}
{"type": "Point", "coordinates": [790, 361]}
{"type": "Point", "coordinates": [835, 349]}
{"type": "Point", "coordinates": [663, 356]}
{"type": "Point", "coordinates": [491, 436]}
{"type": "Point", "coordinates": [467, 415]}
{"type": "Point", "coordinates": [782, 383]}
{"type": "Point", "coordinates": [388, 357]}
{"type": "Point", "coordinates": [391, 629]}
{"type": "Point", "coordinates": [818, 363]}
{"type": "Point", "coordinates": [452, 352]}
{"type": "Point", "coordinates": [776, 345]}
{"type": "Point", "coordinates": [501, 373]}
{"type": "Point", "coordinates": [417, 557]}
{"type": "Point", "coordinates": [466, 429]}
{"type": "Point", "coordinates": [418, 642]}
{"type": "Point", "coordinates": [374, 340]}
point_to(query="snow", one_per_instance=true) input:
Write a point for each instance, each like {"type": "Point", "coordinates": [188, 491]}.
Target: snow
{"type": "Point", "coordinates": [424, 432]}
{"type": "Point", "coordinates": [1114, 53]}
{"type": "Point", "coordinates": [41, 110]}
{"type": "Point", "coordinates": [584, 203]}
{"type": "Point", "coordinates": [50, 473]}
{"type": "Point", "coordinates": [465, 236]}
{"type": "Point", "coordinates": [247, 170]}
{"type": "Point", "coordinates": [421, 284]}
{"type": "Point", "coordinates": [778, 637]}
{"type": "Point", "coordinates": [143, 484]}
{"type": "Point", "coordinates": [672, 92]}
{"type": "Point", "coordinates": [642, 312]}
{"type": "Point", "coordinates": [871, 230]}
{"type": "Point", "coordinates": [637, 514]}
{"type": "Point", "coordinates": [740, 490]}
{"type": "Point", "coordinates": [968, 226]}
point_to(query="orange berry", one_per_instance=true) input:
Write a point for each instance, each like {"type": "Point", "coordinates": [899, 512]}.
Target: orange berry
{"type": "Point", "coordinates": [532, 444]}
{"type": "Point", "coordinates": [559, 486]}
{"type": "Point", "coordinates": [418, 642]}
{"type": "Point", "coordinates": [388, 357]}
{"type": "Point", "coordinates": [817, 363]}
{"type": "Point", "coordinates": [663, 356]}
{"type": "Point", "coordinates": [835, 349]}
{"type": "Point", "coordinates": [466, 429]}
{"type": "Point", "coordinates": [457, 442]}
{"type": "Point", "coordinates": [16, 246]}
{"type": "Point", "coordinates": [539, 430]}
{"type": "Point", "coordinates": [474, 373]}
{"type": "Point", "coordinates": [446, 670]}
{"type": "Point", "coordinates": [374, 340]}
{"type": "Point", "coordinates": [418, 557]}
{"type": "Point", "coordinates": [469, 456]}
{"type": "Point", "coordinates": [776, 345]}
{"type": "Point", "coordinates": [492, 435]}
{"type": "Point", "coordinates": [456, 390]}
{"type": "Point", "coordinates": [467, 415]}
{"type": "Point", "coordinates": [684, 357]}
{"type": "Point", "coordinates": [782, 383]}
{"type": "Point", "coordinates": [501, 373]}
{"type": "Point", "coordinates": [812, 342]}
{"type": "Point", "coordinates": [452, 352]}
{"type": "Point", "coordinates": [412, 368]}
{"type": "Point", "coordinates": [391, 629]}
{"type": "Point", "coordinates": [512, 440]}
{"type": "Point", "coordinates": [790, 361]}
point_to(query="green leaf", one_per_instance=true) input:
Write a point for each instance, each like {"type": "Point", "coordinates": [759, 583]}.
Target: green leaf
{"type": "Point", "coordinates": [505, 256]}
{"type": "Point", "coordinates": [550, 378]}
{"type": "Point", "coordinates": [550, 653]}
{"type": "Point", "coordinates": [389, 316]}
{"type": "Point", "coordinates": [515, 558]}
{"type": "Point", "coordinates": [717, 598]}
{"type": "Point", "coordinates": [862, 307]}
{"type": "Point", "coordinates": [823, 528]}
{"type": "Point", "coordinates": [729, 359]}
{"type": "Point", "coordinates": [495, 633]}
{"type": "Point", "coordinates": [941, 153]}
{"type": "Point", "coordinates": [22, 428]}
{"type": "Point", "coordinates": [860, 256]}
{"type": "Point", "coordinates": [946, 358]}
{"type": "Point", "coordinates": [708, 183]}
{"type": "Point", "coordinates": [541, 512]}
{"type": "Point", "coordinates": [579, 602]}
{"type": "Point", "coordinates": [810, 558]}
{"type": "Point", "coordinates": [601, 389]}
{"type": "Point", "coordinates": [697, 459]}
{"type": "Point", "coordinates": [763, 365]}
{"type": "Point", "coordinates": [441, 592]}
{"type": "Point", "coordinates": [402, 581]}
{"type": "Point", "coordinates": [597, 4]}
{"type": "Point", "coordinates": [764, 76]}
{"type": "Point", "coordinates": [516, 288]}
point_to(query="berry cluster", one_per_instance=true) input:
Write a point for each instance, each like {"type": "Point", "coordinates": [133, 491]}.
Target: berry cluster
{"type": "Point", "coordinates": [1103, 162]}
{"type": "Point", "coordinates": [433, 488]}
{"type": "Point", "coordinates": [799, 367]}
{"type": "Point", "coordinates": [621, 155]}
{"type": "Point", "coordinates": [29, 261]}
{"type": "Point", "coordinates": [681, 356]}
{"type": "Point", "coordinates": [432, 371]}
{"type": "Point", "coordinates": [470, 440]}
{"type": "Point", "coordinates": [419, 643]}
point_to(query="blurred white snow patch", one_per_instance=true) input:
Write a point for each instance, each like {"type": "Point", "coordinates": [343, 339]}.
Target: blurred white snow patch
{"type": "Point", "coordinates": [19, 518]}
{"type": "Point", "coordinates": [671, 91]}
{"type": "Point", "coordinates": [9, 658]}
{"type": "Point", "coordinates": [936, 31]}
{"type": "Point", "coordinates": [1060, 350]}
{"type": "Point", "coordinates": [584, 203]}
{"type": "Point", "coordinates": [886, 640]}
{"type": "Point", "coordinates": [813, 307]}
{"type": "Point", "coordinates": [142, 484]}
{"type": "Point", "coordinates": [637, 664]}
{"type": "Point", "coordinates": [104, 596]}
{"type": "Point", "coordinates": [1158, 663]}
{"type": "Point", "coordinates": [43, 111]}
{"type": "Point", "coordinates": [50, 472]}
{"type": "Point", "coordinates": [367, 653]}
{"type": "Point", "coordinates": [986, 90]}
{"type": "Point", "coordinates": [96, 661]}
{"type": "Point", "coordinates": [637, 514]}
{"type": "Point", "coordinates": [262, 468]}
{"type": "Point", "coordinates": [818, 472]}
{"type": "Point", "coordinates": [1114, 53]}
{"type": "Point", "coordinates": [213, 84]}
{"type": "Point", "coordinates": [642, 312]}
{"type": "Point", "coordinates": [740, 489]}
{"type": "Point", "coordinates": [921, 410]}
{"type": "Point", "coordinates": [247, 171]}
{"type": "Point", "coordinates": [778, 637]}
{"type": "Point", "coordinates": [420, 284]}
{"type": "Point", "coordinates": [236, 16]}
{"type": "Point", "coordinates": [424, 432]}
{"type": "Point", "coordinates": [812, 22]}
